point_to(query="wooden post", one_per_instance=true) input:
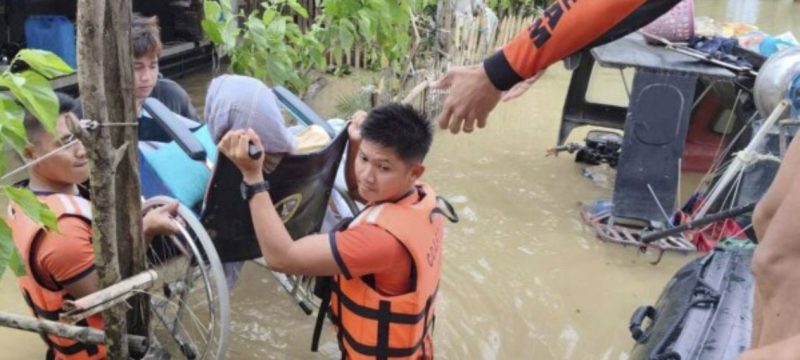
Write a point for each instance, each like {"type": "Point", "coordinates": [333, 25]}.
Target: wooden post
{"type": "Point", "coordinates": [105, 83]}
{"type": "Point", "coordinates": [121, 105]}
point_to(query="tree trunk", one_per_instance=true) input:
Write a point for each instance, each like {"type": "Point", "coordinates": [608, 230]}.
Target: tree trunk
{"type": "Point", "coordinates": [121, 107]}
{"type": "Point", "coordinates": [101, 55]}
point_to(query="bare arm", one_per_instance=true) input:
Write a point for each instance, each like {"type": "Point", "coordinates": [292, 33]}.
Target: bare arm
{"type": "Point", "coordinates": [785, 349]}
{"type": "Point", "coordinates": [84, 286]}
{"type": "Point", "coordinates": [565, 28]}
{"type": "Point", "coordinates": [311, 255]}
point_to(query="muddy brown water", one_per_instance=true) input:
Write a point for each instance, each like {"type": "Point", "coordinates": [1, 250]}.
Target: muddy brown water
{"type": "Point", "coordinates": [523, 277]}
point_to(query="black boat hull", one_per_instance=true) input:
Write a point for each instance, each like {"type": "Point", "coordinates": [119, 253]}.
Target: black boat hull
{"type": "Point", "coordinates": [704, 312]}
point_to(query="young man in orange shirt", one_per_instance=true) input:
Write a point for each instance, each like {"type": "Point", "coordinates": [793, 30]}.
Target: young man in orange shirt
{"type": "Point", "coordinates": [60, 264]}
{"type": "Point", "coordinates": [386, 264]}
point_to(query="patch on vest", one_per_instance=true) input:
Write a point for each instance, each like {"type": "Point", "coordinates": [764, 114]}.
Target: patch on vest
{"type": "Point", "coordinates": [288, 206]}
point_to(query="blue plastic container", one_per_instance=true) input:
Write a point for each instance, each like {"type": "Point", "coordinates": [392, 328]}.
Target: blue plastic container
{"type": "Point", "coordinates": [54, 33]}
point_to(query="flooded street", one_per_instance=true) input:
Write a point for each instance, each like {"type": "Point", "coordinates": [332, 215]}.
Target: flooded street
{"type": "Point", "coordinates": [524, 278]}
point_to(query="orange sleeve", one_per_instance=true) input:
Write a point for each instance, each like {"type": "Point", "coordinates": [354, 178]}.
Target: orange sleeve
{"type": "Point", "coordinates": [366, 249]}
{"type": "Point", "coordinates": [565, 28]}
{"type": "Point", "coordinates": [67, 256]}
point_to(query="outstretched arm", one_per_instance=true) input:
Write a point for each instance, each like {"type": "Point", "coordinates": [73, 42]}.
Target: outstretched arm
{"type": "Point", "coordinates": [565, 28]}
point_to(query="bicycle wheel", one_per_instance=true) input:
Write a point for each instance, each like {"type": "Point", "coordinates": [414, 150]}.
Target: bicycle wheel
{"type": "Point", "coordinates": [189, 303]}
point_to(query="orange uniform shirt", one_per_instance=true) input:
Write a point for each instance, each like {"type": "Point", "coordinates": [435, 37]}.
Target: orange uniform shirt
{"type": "Point", "coordinates": [367, 249]}
{"type": "Point", "coordinates": [66, 256]}
{"type": "Point", "coordinates": [567, 27]}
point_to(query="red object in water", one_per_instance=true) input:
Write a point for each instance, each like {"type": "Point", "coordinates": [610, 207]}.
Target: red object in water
{"type": "Point", "coordinates": [702, 142]}
{"type": "Point", "coordinates": [707, 237]}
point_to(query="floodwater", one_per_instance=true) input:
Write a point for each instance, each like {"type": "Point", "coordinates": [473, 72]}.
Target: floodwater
{"type": "Point", "coordinates": [523, 277]}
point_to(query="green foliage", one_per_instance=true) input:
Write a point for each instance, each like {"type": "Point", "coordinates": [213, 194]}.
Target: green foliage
{"type": "Point", "coordinates": [346, 105]}
{"type": "Point", "coordinates": [380, 27]}
{"type": "Point", "coordinates": [270, 45]}
{"type": "Point", "coordinates": [29, 90]}
{"type": "Point", "coordinates": [30, 205]}
{"type": "Point", "coordinates": [517, 7]}
{"type": "Point", "coordinates": [8, 252]}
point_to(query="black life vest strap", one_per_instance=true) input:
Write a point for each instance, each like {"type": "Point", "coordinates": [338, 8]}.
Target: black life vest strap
{"type": "Point", "coordinates": [322, 311]}
{"type": "Point", "coordinates": [384, 317]}
{"type": "Point", "coordinates": [323, 289]}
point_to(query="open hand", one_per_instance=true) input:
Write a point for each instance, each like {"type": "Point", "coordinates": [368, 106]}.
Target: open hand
{"type": "Point", "coordinates": [161, 221]}
{"type": "Point", "coordinates": [472, 97]}
{"type": "Point", "coordinates": [354, 129]}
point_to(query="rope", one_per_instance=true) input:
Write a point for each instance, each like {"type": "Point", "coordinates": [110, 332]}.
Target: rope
{"type": "Point", "coordinates": [752, 157]}
{"type": "Point", "coordinates": [40, 159]}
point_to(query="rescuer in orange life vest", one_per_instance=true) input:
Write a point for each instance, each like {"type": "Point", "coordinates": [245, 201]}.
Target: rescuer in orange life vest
{"type": "Point", "coordinates": [60, 264]}
{"type": "Point", "coordinates": [386, 264]}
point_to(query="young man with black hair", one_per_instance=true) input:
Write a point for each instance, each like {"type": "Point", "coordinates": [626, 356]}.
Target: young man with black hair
{"type": "Point", "coordinates": [147, 82]}
{"type": "Point", "coordinates": [60, 264]}
{"type": "Point", "coordinates": [386, 264]}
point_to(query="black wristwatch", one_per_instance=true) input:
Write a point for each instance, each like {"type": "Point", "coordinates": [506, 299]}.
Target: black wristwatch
{"type": "Point", "coordinates": [250, 190]}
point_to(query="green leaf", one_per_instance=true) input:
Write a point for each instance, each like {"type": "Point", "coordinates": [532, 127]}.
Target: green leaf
{"type": "Point", "coordinates": [9, 256]}
{"type": "Point", "coordinates": [226, 5]}
{"type": "Point", "coordinates": [36, 95]}
{"type": "Point", "coordinates": [6, 246]}
{"type": "Point", "coordinates": [346, 38]}
{"type": "Point", "coordinates": [268, 16]}
{"type": "Point", "coordinates": [3, 163]}
{"type": "Point", "coordinates": [212, 11]}
{"type": "Point", "coordinates": [16, 264]}
{"type": "Point", "coordinates": [299, 9]}
{"type": "Point", "coordinates": [44, 62]}
{"type": "Point", "coordinates": [212, 30]}
{"type": "Point", "coordinates": [31, 206]}
{"type": "Point", "coordinates": [12, 130]}
{"type": "Point", "coordinates": [277, 28]}
{"type": "Point", "coordinates": [365, 25]}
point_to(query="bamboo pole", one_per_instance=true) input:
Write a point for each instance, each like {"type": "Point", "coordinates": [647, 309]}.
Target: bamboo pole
{"type": "Point", "coordinates": [86, 335]}
{"type": "Point", "coordinates": [415, 92]}
{"type": "Point", "coordinates": [100, 300]}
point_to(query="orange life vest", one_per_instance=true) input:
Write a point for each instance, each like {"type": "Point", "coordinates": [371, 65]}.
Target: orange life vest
{"type": "Point", "coordinates": [372, 325]}
{"type": "Point", "coordinates": [44, 296]}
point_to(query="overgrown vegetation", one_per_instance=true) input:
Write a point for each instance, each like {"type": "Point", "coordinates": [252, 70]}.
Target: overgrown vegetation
{"type": "Point", "coordinates": [270, 46]}
{"type": "Point", "coordinates": [26, 79]}
{"type": "Point", "coordinates": [516, 7]}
